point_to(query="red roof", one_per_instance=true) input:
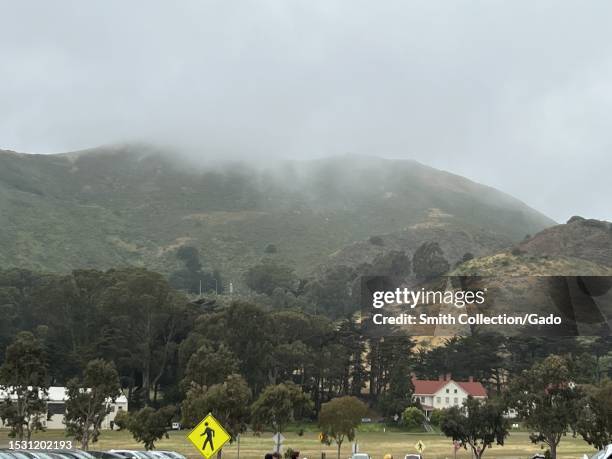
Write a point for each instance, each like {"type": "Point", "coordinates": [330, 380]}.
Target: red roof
{"type": "Point", "coordinates": [422, 386]}
{"type": "Point", "coordinates": [425, 387]}
{"type": "Point", "coordinates": [475, 389]}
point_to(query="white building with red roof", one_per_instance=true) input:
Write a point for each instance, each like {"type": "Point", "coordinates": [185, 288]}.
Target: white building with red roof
{"type": "Point", "coordinates": [445, 392]}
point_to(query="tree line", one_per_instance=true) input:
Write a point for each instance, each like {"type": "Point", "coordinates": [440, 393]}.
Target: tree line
{"type": "Point", "coordinates": [128, 331]}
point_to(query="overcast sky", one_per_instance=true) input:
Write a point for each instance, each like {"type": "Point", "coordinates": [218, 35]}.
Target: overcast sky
{"type": "Point", "coordinates": [514, 94]}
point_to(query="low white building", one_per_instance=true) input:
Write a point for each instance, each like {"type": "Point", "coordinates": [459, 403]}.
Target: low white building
{"type": "Point", "coordinates": [445, 392]}
{"type": "Point", "coordinates": [56, 408]}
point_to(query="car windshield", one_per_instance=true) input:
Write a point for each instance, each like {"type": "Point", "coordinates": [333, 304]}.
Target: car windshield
{"type": "Point", "coordinates": [599, 454]}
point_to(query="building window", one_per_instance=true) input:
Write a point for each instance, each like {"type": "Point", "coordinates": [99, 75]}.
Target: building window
{"type": "Point", "coordinates": [448, 391]}
{"type": "Point", "coordinates": [446, 400]}
{"type": "Point", "coordinates": [456, 401]}
{"type": "Point", "coordinates": [455, 391]}
{"type": "Point", "coordinates": [422, 399]}
{"type": "Point", "coordinates": [438, 399]}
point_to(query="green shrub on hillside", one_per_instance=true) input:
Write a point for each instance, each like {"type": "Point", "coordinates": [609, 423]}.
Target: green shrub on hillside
{"type": "Point", "coordinates": [269, 275]}
{"type": "Point", "coordinates": [412, 417]}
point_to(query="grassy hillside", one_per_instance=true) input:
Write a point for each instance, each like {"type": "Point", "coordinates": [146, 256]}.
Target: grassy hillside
{"type": "Point", "coordinates": [520, 280]}
{"type": "Point", "coordinates": [133, 205]}
{"type": "Point", "coordinates": [507, 264]}
{"type": "Point", "coordinates": [580, 247]}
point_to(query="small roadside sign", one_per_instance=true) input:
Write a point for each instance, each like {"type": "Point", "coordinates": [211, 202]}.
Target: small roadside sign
{"type": "Point", "coordinates": [420, 446]}
{"type": "Point", "coordinates": [278, 440]}
{"type": "Point", "coordinates": [208, 436]}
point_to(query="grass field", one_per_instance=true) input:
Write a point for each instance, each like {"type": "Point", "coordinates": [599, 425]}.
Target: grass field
{"type": "Point", "coordinates": [377, 444]}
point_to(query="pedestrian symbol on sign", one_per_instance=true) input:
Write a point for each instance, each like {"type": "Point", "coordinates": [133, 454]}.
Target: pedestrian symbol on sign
{"type": "Point", "coordinates": [210, 433]}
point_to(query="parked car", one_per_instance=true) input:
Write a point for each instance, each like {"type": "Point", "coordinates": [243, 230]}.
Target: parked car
{"type": "Point", "coordinates": [18, 454]}
{"type": "Point", "coordinates": [105, 455]}
{"type": "Point", "coordinates": [159, 455]}
{"type": "Point", "coordinates": [171, 454]}
{"type": "Point", "coordinates": [605, 453]}
{"type": "Point", "coordinates": [129, 454]}
{"type": "Point", "coordinates": [538, 456]}
{"type": "Point", "coordinates": [45, 454]}
{"type": "Point", "coordinates": [38, 454]}
{"type": "Point", "coordinates": [154, 455]}
{"type": "Point", "coordinates": [360, 456]}
{"type": "Point", "coordinates": [13, 454]}
{"type": "Point", "coordinates": [80, 454]}
{"type": "Point", "coordinates": [413, 456]}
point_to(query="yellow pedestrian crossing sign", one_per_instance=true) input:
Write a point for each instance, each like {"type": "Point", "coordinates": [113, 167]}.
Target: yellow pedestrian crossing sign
{"type": "Point", "coordinates": [209, 436]}
{"type": "Point", "coordinates": [420, 446]}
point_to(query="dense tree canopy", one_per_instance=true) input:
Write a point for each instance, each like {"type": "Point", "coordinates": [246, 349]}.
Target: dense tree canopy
{"type": "Point", "coordinates": [228, 400]}
{"type": "Point", "coordinates": [340, 417]}
{"type": "Point", "coordinates": [89, 401]}
{"type": "Point", "coordinates": [429, 262]}
{"type": "Point", "coordinates": [23, 378]}
{"type": "Point", "coordinates": [270, 275]}
{"type": "Point", "coordinates": [478, 425]}
{"type": "Point", "coordinates": [595, 417]}
{"type": "Point", "coordinates": [547, 400]}
{"type": "Point", "coordinates": [148, 425]}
